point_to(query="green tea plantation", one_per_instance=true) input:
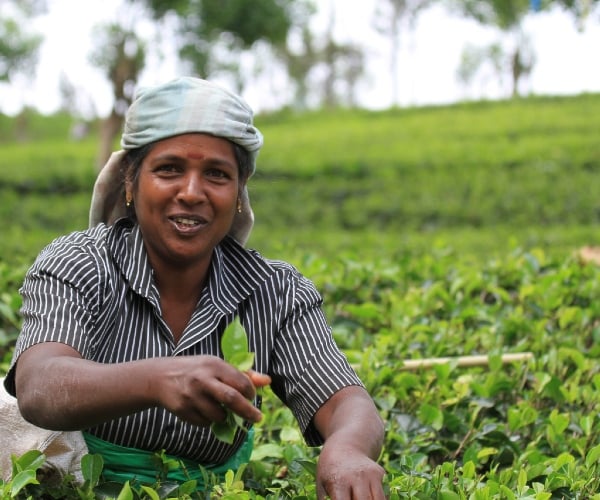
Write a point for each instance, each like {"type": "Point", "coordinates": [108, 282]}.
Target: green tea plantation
{"type": "Point", "coordinates": [455, 249]}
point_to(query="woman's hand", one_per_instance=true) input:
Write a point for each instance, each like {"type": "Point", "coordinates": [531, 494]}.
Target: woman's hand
{"type": "Point", "coordinates": [353, 434]}
{"type": "Point", "coordinates": [198, 389]}
{"type": "Point", "coordinates": [346, 473]}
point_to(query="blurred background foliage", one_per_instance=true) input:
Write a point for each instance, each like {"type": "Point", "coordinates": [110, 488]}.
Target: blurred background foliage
{"type": "Point", "coordinates": [480, 177]}
{"type": "Point", "coordinates": [241, 42]}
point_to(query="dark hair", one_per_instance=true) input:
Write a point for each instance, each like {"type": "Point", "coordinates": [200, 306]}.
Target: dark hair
{"type": "Point", "coordinates": [133, 158]}
{"type": "Point", "coordinates": [242, 156]}
{"type": "Point", "coordinates": [130, 169]}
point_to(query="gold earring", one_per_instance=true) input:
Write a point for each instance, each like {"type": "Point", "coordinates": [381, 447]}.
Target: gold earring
{"type": "Point", "coordinates": [239, 206]}
{"type": "Point", "coordinates": [128, 199]}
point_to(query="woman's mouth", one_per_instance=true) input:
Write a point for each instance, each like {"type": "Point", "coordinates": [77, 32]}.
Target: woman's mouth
{"type": "Point", "coordinates": [186, 223]}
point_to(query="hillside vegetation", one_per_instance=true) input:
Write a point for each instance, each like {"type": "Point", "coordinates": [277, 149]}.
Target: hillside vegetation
{"type": "Point", "coordinates": [478, 178]}
{"type": "Point", "coordinates": [431, 233]}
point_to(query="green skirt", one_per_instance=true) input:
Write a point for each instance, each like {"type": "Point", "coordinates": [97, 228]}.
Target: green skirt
{"type": "Point", "coordinates": [123, 464]}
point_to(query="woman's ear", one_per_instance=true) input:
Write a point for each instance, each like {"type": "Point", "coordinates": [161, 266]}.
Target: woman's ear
{"type": "Point", "coordinates": [244, 218]}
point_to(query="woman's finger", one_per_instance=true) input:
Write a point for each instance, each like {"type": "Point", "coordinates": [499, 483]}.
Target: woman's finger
{"type": "Point", "coordinates": [258, 379]}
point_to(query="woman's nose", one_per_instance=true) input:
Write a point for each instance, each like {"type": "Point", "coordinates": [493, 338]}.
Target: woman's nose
{"type": "Point", "coordinates": [191, 189]}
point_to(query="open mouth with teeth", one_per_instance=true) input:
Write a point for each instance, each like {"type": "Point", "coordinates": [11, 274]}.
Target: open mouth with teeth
{"type": "Point", "coordinates": [187, 222]}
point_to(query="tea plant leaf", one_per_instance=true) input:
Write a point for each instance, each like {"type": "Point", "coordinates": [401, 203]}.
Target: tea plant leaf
{"type": "Point", "coordinates": [309, 466]}
{"type": "Point", "coordinates": [586, 423]}
{"type": "Point", "coordinates": [268, 450]}
{"type": "Point", "coordinates": [7, 313]}
{"type": "Point", "coordinates": [30, 460]}
{"type": "Point", "coordinates": [430, 415]}
{"type": "Point", "coordinates": [559, 421]}
{"type": "Point", "coordinates": [151, 493]}
{"type": "Point", "coordinates": [126, 493]}
{"type": "Point", "coordinates": [243, 361]}
{"type": "Point", "coordinates": [234, 344]}
{"type": "Point", "coordinates": [468, 470]}
{"type": "Point", "coordinates": [91, 468]}
{"type": "Point", "coordinates": [508, 494]}
{"type": "Point", "coordinates": [187, 488]}
{"type": "Point", "coordinates": [521, 415]}
{"type": "Point", "coordinates": [21, 480]}
{"type": "Point", "coordinates": [486, 452]}
{"type": "Point", "coordinates": [290, 434]}
{"type": "Point", "coordinates": [593, 456]}
{"type": "Point", "coordinates": [448, 495]}
{"type": "Point", "coordinates": [563, 459]}
{"type": "Point", "coordinates": [522, 480]}
{"type": "Point", "coordinates": [225, 430]}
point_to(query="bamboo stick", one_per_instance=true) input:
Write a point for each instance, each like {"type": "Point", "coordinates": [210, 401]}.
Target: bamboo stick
{"type": "Point", "coordinates": [463, 361]}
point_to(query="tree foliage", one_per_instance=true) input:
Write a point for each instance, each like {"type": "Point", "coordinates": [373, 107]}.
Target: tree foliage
{"type": "Point", "coordinates": [236, 25]}
{"type": "Point", "coordinates": [508, 16]}
{"type": "Point", "coordinates": [322, 70]}
{"type": "Point", "coordinates": [580, 9]}
{"type": "Point", "coordinates": [18, 47]}
{"type": "Point", "coordinates": [248, 21]}
{"type": "Point", "coordinates": [122, 55]}
{"type": "Point", "coordinates": [391, 18]}
{"type": "Point", "coordinates": [505, 14]}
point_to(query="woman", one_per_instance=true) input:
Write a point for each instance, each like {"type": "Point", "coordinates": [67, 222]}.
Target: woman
{"type": "Point", "coordinates": [122, 322]}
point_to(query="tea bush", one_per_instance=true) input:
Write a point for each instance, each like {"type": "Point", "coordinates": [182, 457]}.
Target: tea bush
{"type": "Point", "coordinates": [523, 429]}
{"type": "Point", "coordinates": [437, 232]}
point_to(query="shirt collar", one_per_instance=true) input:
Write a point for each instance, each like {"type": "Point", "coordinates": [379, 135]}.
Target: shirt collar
{"type": "Point", "coordinates": [234, 274]}
{"type": "Point", "coordinates": [127, 247]}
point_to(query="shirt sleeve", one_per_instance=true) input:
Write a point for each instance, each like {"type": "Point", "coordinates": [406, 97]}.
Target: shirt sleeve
{"type": "Point", "coordinates": [308, 367]}
{"type": "Point", "coordinates": [60, 301]}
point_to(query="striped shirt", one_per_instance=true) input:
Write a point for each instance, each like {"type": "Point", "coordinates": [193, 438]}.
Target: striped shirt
{"type": "Point", "coordinates": [94, 291]}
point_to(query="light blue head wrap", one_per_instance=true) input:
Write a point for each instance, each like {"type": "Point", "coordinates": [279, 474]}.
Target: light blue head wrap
{"type": "Point", "coordinates": [180, 106]}
{"type": "Point", "coordinates": [186, 105]}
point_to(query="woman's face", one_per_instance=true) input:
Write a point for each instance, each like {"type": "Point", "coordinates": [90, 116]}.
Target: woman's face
{"type": "Point", "coordinates": [185, 198]}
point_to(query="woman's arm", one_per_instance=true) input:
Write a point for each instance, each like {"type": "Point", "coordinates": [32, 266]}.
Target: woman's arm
{"type": "Point", "coordinates": [353, 432]}
{"type": "Point", "coordinates": [57, 389]}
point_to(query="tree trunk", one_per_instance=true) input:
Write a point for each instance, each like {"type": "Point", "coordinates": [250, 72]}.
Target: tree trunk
{"type": "Point", "coordinates": [517, 68]}
{"type": "Point", "coordinates": [109, 131]}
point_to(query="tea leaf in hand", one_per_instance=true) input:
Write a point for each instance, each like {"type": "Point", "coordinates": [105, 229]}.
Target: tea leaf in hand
{"type": "Point", "coordinates": [234, 344]}
{"type": "Point", "coordinates": [225, 430]}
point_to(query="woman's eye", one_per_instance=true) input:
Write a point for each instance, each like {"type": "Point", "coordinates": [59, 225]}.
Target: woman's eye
{"type": "Point", "coordinates": [215, 172]}
{"type": "Point", "coordinates": [166, 168]}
